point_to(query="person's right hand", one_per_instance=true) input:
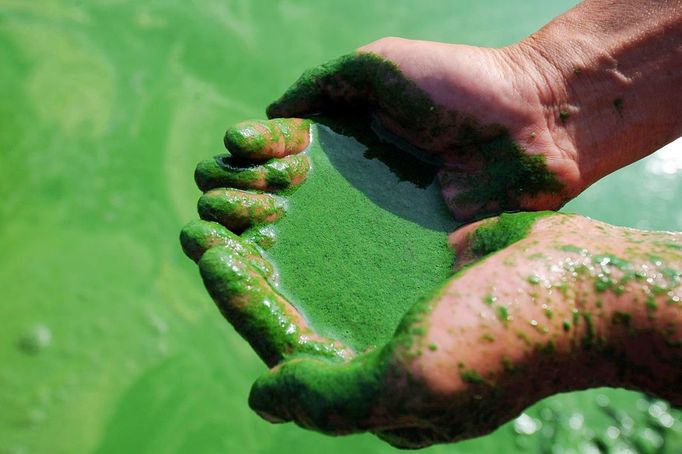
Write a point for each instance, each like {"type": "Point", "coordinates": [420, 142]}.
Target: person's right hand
{"type": "Point", "coordinates": [488, 115]}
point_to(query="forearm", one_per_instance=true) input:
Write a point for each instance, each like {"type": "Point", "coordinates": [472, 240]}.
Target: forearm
{"type": "Point", "coordinates": [614, 73]}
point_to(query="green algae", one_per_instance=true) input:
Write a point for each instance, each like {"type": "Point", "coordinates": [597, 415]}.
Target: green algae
{"type": "Point", "coordinates": [590, 337]}
{"type": "Point", "coordinates": [534, 280]}
{"type": "Point", "coordinates": [327, 396]}
{"type": "Point", "coordinates": [273, 175]}
{"type": "Point", "coordinates": [508, 172]}
{"type": "Point", "coordinates": [238, 210]}
{"type": "Point", "coordinates": [261, 235]}
{"type": "Point", "coordinates": [257, 140]}
{"type": "Point", "coordinates": [502, 231]}
{"type": "Point", "coordinates": [548, 347]}
{"type": "Point", "coordinates": [571, 248]}
{"type": "Point", "coordinates": [503, 315]}
{"type": "Point", "coordinates": [257, 311]}
{"type": "Point", "coordinates": [471, 376]}
{"type": "Point", "coordinates": [621, 318]}
{"type": "Point", "coordinates": [198, 236]}
{"type": "Point", "coordinates": [488, 337]}
{"type": "Point", "coordinates": [651, 305]}
{"type": "Point", "coordinates": [336, 248]}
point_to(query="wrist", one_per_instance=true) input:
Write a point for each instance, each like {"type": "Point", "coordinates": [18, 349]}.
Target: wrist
{"type": "Point", "coordinates": [609, 79]}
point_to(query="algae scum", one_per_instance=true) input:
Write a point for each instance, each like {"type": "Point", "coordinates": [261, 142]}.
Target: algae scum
{"type": "Point", "coordinates": [364, 238]}
{"type": "Point", "coordinates": [111, 345]}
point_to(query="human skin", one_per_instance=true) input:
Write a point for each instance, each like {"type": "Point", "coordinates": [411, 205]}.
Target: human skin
{"type": "Point", "coordinates": [541, 303]}
{"type": "Point", "coordinates": [594, 90]}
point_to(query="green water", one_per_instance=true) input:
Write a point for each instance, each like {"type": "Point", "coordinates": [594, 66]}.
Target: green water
{"type": "Point", "coordinates": [110, 344]}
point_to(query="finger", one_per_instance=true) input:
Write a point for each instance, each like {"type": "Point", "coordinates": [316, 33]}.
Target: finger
{"type": "Point", "coordinates": [262, 316]}
{"type": "Point", "coordinates": [330, 397]}
{"type": "Point", "coordinates": [260, 140]}
{"type": "Point", "coordinates": [344, 81]}
{"type": "Point", "coordinates": [237, 210]}
{"type": "Point", "coordinates": [199, 236]}
{"type": "Point", "coordinates": [223, 171]}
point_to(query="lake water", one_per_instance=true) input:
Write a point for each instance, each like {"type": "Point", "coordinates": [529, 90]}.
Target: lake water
{"type": "Point", "coordinates": [110, 343]}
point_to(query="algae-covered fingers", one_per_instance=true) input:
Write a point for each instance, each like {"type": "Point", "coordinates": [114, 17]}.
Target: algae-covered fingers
{"type": "Point", "coordinates": [260, 140]}
{"type": "Point", "coordinates": [273, 175]}
{"type": "Point", "coordinates": [199, 236]}
{"type": "Point", "coordinates": [239, 279]}
{"type": "Point", "coordinates": [271, 325]}
{"type": "Point", "coordinates": [327, 396]}
{"type": "Point", "coordinates": [237, 210]}
{"type": "Point", "coordinates": [264, 155]}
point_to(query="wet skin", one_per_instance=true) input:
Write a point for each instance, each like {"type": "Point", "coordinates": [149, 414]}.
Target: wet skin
{"type": "Point", "coordinates": [541, 303]}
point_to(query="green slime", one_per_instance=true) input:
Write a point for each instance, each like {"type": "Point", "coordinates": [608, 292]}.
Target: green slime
{"type": "Point", "coordinates": [359, 245]}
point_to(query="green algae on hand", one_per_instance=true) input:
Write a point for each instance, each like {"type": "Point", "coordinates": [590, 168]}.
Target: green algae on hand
{"type": "Point", "coordinates": [199, 236]}
{"type": "Point", "coordinates": [237, 210]}
{"type": "Point", "coordinates": [261, 315]}
{"type": "Point", "coordinates": [507, 172]}
{"type": "Point", "coordinates": [367, 82]}
{"type": "Point", "coordinates": [326, 396]}
{"type": "Point", "coordinates": [508, 228]}
{"type": "Point", "coordinates": [273, 175]}
{"type": "Point", "coordinates": [259, 140]}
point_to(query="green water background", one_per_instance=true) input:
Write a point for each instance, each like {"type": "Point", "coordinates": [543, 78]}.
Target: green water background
{"type": "Point", "coordinates": [109, 342]}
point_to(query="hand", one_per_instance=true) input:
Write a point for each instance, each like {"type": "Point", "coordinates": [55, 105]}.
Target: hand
{"type": "Point", "coordinates": [227, 243]}
{"type": "Point", "coordinates": [542, 303]}
{"type": "Point", "coordinates": [559, 303]}
{"type": "Point", "coordinates": [486, 114]}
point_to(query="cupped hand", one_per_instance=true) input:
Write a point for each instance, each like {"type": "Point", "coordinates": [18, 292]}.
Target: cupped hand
{"type": "Point", "coordinates": [490, 116]}
{"type": "Point", "coordinates": [542, 303]}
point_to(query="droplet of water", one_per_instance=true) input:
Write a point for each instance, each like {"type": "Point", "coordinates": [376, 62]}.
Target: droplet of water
{"type": "Point", "coordinates": [576, 420]}
{"type": "Point", "coordinates": [658, 408]}
{"type": "Point", "coordinates": [36, 339]}
{"type": "Point", "coordinates": [613, 432]}
{"type": "Point", "coordinates": [602, 400]}
{"type": "Point", "coordinates": [666, 420]}
{"type": "Point", "coordinates": [525, 425]}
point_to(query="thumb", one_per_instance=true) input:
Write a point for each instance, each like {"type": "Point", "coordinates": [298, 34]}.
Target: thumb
{"type": "Point", "coordinates": [328, 396]}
